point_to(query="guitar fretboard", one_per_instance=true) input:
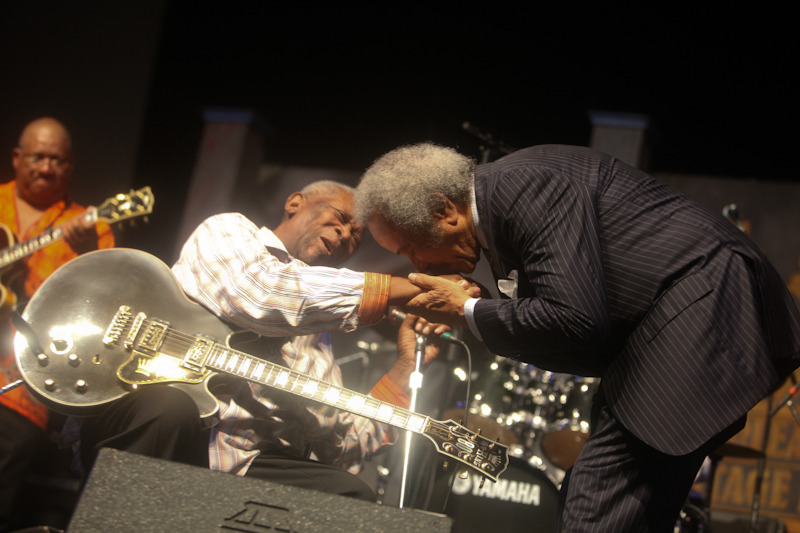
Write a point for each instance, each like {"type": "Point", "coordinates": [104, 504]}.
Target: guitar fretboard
{"type": "Point", "coordinates": [278, 377]}
{"type": "Point", "coordinates": [14, 253]}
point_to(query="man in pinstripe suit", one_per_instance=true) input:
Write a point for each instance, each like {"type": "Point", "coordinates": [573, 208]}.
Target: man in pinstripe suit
{"type": "Point", "coordinates": [605, 272]}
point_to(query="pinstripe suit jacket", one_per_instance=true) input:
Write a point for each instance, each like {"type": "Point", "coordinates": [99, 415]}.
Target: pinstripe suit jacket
{"type": "Point", "coordinates": [622, 277]}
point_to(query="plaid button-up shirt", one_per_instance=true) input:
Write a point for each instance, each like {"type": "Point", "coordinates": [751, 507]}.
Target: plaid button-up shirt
{"type": "Point", "coordinates": [244, 275]}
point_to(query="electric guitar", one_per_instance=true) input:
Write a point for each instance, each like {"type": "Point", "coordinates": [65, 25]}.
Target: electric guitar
{"type": "Point", "coordinates": [115, 209]}
{"type": "Point", "coordinates": [7, 300]}
{"type": "Point", "coordinates": [111, 321]}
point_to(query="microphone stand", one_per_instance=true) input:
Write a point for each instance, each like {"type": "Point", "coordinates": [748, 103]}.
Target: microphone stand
{"type": "Point", "coordinates": [491, 142]}
{"type": "Point", "coordinates": [11, 386]}
{"type": "Point", "coordinates": [762, 462]}
{"type": "Point", "coordinates": [415, 383]}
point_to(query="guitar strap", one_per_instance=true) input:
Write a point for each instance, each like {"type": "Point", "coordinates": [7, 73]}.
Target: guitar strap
{"type": "Point", "coordinates": [25, 329]}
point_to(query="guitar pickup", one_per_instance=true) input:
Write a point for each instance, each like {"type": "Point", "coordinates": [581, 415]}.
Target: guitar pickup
{"type": "Point", "coordinates": [153, 337]}
{"type": "Point", "coordinates": [195, 359]}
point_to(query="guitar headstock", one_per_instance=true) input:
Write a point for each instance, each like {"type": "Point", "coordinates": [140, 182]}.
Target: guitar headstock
{"type": "Point", "coordinates": [125, 206]}
{"type": "Point", "coordinates": [487, 457]}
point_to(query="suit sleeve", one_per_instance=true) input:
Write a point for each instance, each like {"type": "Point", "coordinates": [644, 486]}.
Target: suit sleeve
{"type": "Point", "coordinates": [546, 227]}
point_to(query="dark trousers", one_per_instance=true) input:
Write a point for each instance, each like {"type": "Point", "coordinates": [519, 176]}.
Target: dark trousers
{"type": "Point", "coordinates": [19, 440]}
{"type": "Point", "coordinates": [621, 484]}
{"type": "Point", "coordinates": [163, 422]}
{"type": "Point", "coordinates": [308, 474]}
{"type": "Point", "coordinates": [158, 421]}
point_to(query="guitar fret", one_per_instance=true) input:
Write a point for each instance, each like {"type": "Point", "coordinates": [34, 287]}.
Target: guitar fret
{"type": "Point", "coordinates": [370, 407]}
{"type": "Point", "coordinates": [281, 379]}
{"type": "Point", "coordinates": [385, 412]}
{"type": "Point", "coordinates": [296, 380]}
{"type": "Point", "coordinates": [244, 366]}
{"type": "Point", "coordinates": [310, 388]}
{"type": "Point", "coordinates": [356, 403]}
{"type": "Point", "coordinates": [399, 419]}
{"type": "Point", "coordinates": [232, 362]}
{"type": "Point", "coordinates": [344, 398]}
{"type": "Point", "coordinates": [331, 395]}
{"type": "Point", "coordinates": [220, 362]}
{"type": "Point", "coordinates": [415, 422]}
{"type": "Point", "coordinates": [258, 370]}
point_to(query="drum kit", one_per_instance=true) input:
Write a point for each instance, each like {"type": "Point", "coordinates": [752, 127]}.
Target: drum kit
{"type": "Point", "coordinates": [543, 417]}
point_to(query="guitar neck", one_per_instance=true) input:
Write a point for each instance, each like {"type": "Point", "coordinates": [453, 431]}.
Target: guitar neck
{"type": "Point", "coordinates": [240, 364]}
{"type": "Point", "coordinates": [12, 254]}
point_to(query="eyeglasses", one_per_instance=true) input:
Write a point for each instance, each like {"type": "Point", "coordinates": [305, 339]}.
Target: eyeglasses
{"type": "Point", "coordinates": [38, 158]}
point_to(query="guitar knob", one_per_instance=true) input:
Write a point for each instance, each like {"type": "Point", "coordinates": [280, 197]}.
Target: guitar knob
{"type": "Point", "coordinates": [81, 386]}
{"type": "Point", "coordinates": [50, 384]}
{"type": "Point", "coordinates": [43, 359]}
{"type": "Point", "coordinates": [73, 359]}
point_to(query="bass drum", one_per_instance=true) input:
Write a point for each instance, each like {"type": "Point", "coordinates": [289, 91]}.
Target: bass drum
{"type": "Point", "coordinates": [523, 498]}
{"type": "Point", "coordinates": [568, 426]}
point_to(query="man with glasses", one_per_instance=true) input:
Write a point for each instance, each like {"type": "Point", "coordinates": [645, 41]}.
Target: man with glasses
{"type": "Point", "coordinates": [33, 203]}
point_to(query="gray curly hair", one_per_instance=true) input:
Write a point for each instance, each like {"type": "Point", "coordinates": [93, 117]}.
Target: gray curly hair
{"type": "Point", "coordinates": [406, 185]}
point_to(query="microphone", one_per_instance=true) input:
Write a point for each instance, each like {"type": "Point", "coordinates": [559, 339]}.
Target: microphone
{"type": "Point", "coordinates": [396, 315]}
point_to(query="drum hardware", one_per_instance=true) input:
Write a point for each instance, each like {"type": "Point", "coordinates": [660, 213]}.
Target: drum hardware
{"type": "Point", "coordinates": [568, 425]}
{"type": "Point", "coordinates": [787, 401]}
{"type": "Point", "coordinates": [542, 416]}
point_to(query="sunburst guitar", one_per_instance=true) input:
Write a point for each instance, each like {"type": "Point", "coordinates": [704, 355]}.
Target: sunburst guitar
{"type": "Point", "coordinates": [112, 321]}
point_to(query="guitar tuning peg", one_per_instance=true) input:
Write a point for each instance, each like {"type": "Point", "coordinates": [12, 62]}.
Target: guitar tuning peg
{"type": "Point", "coordinates": [483, 480]}
{"type": "Point", "coordinates": [463, 474]}
{"type": "Point", "coordinates": [474, 437]}
{"type": "Point", "coordinates": [445, 466]}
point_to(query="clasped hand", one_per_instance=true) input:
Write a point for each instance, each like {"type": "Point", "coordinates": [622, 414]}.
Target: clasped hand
{"type": "Point", "coordinates": [443, 297]}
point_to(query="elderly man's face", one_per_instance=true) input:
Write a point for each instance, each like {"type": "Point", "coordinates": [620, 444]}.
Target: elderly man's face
{"type": "Point", "coordinates": [43, 165]}
{"type": "Point", "coordinates": [455, 251]}
{"type": "Point", "coordinates": [323, 230]}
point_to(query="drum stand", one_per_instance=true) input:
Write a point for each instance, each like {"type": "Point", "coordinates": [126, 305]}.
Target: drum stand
{"type": "Point", "coordinates": [762, 463]}
{"type": "Point", "coordinates": [729, 450]}
{"type": "Point", "coordinates": [742, 452]}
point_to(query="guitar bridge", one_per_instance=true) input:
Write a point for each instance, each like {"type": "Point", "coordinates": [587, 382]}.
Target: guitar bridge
{"type": "Point", "coordinates": [117, 325]}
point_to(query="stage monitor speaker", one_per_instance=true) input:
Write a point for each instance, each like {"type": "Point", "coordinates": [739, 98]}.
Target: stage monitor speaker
{"type": "Point", "coordinates": [127, 492]}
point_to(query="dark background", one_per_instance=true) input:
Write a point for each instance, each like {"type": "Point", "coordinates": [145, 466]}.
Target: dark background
{"type": "Point", "coordinates": [336, 85]}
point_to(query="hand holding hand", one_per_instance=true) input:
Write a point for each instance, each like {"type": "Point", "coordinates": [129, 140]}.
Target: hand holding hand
{"type": "Point", "coordinates": [443, 299]}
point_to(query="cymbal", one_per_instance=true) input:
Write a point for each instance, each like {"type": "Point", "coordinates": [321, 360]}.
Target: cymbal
{"type": "Point", "coordinates": [730, 449]}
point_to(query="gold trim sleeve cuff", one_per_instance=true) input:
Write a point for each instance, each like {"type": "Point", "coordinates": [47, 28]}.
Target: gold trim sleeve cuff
{"type": "Point", "coordinates": [374, 299]}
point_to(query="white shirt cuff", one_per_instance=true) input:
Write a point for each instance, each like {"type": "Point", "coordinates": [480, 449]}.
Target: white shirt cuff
{"type": "Point", "coordinates": [469, 314]}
